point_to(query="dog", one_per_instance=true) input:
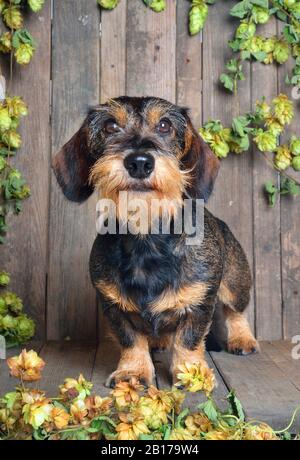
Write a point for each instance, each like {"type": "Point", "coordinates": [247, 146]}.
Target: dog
{"type": "Point", "coordinates": [156, 290]}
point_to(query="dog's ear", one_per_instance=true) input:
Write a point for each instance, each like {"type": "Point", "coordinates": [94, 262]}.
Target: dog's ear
{"type": "Point", "coordinates": [72, 165]}
{"type": "Point", "coordinates": [202, 162]}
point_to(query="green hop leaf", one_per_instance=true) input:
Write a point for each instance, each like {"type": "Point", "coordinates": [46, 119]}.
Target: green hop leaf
{"type": "Point", "coordinates": [5, 42]}
{"type": "Point", "coordinates": [4, 278]}
{"type": "Point", "coordinates": [24, 53]}
{"type": "Point", "coordinates": [283, 157]}
{"type": "Point", "coordinates": [289, 187]}
{"type": "Point", "coordinates": [283, 109]}
{"type": "Point", "coordinates": [197, 16]}
{"type": "Point", "coordinates": [12, 17]}
{"type": "Point", "coordinates": [245, 30]}
{"type": "Point", "coordinates": [227, 81]}
{"type": "Point", "coordinates": [281, 51]}
{"type": "Point", "coordinates": [265, 141]}
{"type": "Point", "coordinates": [36, 5]}
{"type": "Point", "coordinates": [25, 328]}
{"type": "Point", "coordinates": [295, 145]}
{"type": "Point", "coordinates": [8, 322]}
{"type": "Point", "coordinates": [12, 139]}
{"type": "Point", "coordinates": [156, 5]}
{"type": "Point", "coordinates": [260, 15]}
{"type": "Point", "coordinates": [108, 4]}
{"type": "Point", "coordinates": [272, 192]}
{"type": "Point", "coordinates": [5, 120]}
{"type": "Point", "coordinates": [296, 163]}
{"type": "Point", "coordinates": [13, 302]}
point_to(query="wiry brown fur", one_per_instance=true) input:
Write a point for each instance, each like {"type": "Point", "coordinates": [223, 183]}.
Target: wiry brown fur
{"type": "Point", "coordinates": [156, 290]}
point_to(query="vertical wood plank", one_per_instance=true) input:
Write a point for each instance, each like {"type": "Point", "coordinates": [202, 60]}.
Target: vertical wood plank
{"type": "Point", "coordinates": [24, 254]}
{"type": "Point", "coordinates": [113, 52]}
{"type": "Point", "coordinates": [232, 198]}
{"type": "Point", "coordinates": [290, 224]}
{"type": "Point", "coordinates": [75, 73]}
{"type": "Point", "coordinates": [151, 51]}
{"type": "Point", "coordinates": [267, 250]}
{"type": "Point", "coordinates": [188, 66]}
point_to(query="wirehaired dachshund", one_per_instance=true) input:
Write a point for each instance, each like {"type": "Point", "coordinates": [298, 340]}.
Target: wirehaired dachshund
{"type": "Point", "coordinates": [155, 290]}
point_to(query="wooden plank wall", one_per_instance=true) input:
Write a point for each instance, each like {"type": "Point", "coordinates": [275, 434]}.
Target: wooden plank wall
{"type": "Point", "coordinates": [86, 56]}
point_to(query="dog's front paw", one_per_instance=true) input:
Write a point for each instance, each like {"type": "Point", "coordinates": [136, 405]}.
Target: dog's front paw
{"type": "Point", "coordinates": [243, 346]}
{"type": "Point", "coordinates": [144, 378]}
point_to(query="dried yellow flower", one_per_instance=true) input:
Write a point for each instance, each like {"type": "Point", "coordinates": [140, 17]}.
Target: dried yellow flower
{"type": "Point", "coordinates": [131, 427]}
{"type": "Point", "coordinates": [60, 417]}
{"type": "Point", "coordinates": [126, 393]}
{"type": "Point", "coordinates": [196, 377]}
{"type": "Point", "coordinates": [27, 366]}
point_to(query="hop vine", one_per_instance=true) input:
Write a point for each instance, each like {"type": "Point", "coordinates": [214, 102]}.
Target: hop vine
{"type": "Point", "coordinates": [263, 126]}
{"type": "Point", "coordinates": [251, 46]}
{"type": "Point", "coordinates": [131, 412]}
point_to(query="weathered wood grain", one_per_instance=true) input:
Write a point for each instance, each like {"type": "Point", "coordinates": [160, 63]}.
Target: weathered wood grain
{"type": "Point", "coordinates": [113, 52]}
{"type": "Point", "coordinates": [232, 197]}
{"type": "Point", "coordinates": [266, 390]}
{"type": "Point", "coordinates": [151, 51]}
{"type": "Point", "coordinates": [290, 224]}
{"type": "Point", "coordinates": [281, 354]}
{"type": "Point", "coordinates": [106, 362]}
{"type": "Point", "coordinates": [188, 66]}
{"type": "Point", "coordinates": [24, 254]}
{"type": "Point", "coordinates": [65, 359]}
{"type": "Point", "coordinates": [266, 223]}
{"type": "Point", "coordinates": [71, 308]}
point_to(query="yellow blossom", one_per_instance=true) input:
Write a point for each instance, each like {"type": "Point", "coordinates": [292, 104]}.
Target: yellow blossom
{"type": "Point", "coordinates": [261, 432]}
{"type": "Point", "coordinates": [126, 393]}
{"type": "Point", "coordinates": [131, 427]}
{"type": "Point", "coordinates": [73, 388]}
{"type": "Point", "coordinates": [180, 434]}
{"type": "Point", "coordinates": [97, 405]}
{"type": "Point", "coordinates": [198, 423]}
{"type": "Point", "coordinates": [35, 414]}
{"type": "Point", "coordinates": [60, 417]}
{"type": "Point", "coordinates": [196, 377]}
{"type": "Point", "coordinates": [78, 410]}
{"type": "Point", "coordinates": [27, 366]}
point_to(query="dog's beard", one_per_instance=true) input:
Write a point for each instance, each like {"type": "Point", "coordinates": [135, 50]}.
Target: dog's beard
{"type": "Point", "coordinates": [167, 184]}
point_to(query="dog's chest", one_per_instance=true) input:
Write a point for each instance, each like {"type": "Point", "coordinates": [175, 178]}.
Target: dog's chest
{"type": "Point", "coordinates": [149, 266]}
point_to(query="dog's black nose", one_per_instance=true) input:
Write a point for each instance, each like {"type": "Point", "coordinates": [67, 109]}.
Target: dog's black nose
{"type": "Point", "coordinates": [139, 165]}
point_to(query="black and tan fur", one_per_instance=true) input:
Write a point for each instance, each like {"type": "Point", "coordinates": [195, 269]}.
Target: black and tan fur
{"type": "Point", "coordinates": [155, 290]}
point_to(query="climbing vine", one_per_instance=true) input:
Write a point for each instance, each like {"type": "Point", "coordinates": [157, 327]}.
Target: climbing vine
{"type": "Point", "coordinates": [20, 46]}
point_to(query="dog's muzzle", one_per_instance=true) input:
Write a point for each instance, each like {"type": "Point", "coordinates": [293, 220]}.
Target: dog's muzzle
{"type": "Point", "coordinates": [139, 165]}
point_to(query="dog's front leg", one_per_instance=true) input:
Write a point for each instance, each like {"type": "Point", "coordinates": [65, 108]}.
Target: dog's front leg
{"type": "Point", "coordinates": [189, 339]}
{"type": "Point", "coordinates": [135, 360]}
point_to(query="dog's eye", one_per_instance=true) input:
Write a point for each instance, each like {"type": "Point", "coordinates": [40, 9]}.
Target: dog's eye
{"type": "Point", "coordinates": [164, 127]}
{"type": "Point", "coordinates": [111, 127]}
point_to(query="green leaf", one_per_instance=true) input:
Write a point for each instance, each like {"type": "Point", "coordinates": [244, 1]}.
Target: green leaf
{"type": "Point", "coordinates": [272, 191]}
{"type": "Point", "coordinates": [281, 15]}
{"type": "Point", "coordinates": [209, 408]}
{"type": "Point", "coordinates": [182, 416]}
{"type": "Point", "coordinates": [289, 187]}
{"type": "Point", "coordinates": [262, 3]}
{"type": "Point", "coordinates": [259, 56]}
{"type": "Point", "coordinates": [236, 407]}
{"type": "Point", "coordinates": [146, 437]}
{"type": "Point", "coordinates": [245, 54]}
{"type": "Point", "coordinates": [227, 81]}
{"type": "Point", "coordinates": [232, 65]}
{"type": "Point", "coordinates": [241, 9]}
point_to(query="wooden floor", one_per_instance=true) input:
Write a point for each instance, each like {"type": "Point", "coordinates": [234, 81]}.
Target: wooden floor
{"type": "Point", "coordinates": [268, 383]}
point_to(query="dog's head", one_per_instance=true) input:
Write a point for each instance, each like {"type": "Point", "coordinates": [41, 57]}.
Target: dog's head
{"type": "Point", "coordinates": [146, 146]}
